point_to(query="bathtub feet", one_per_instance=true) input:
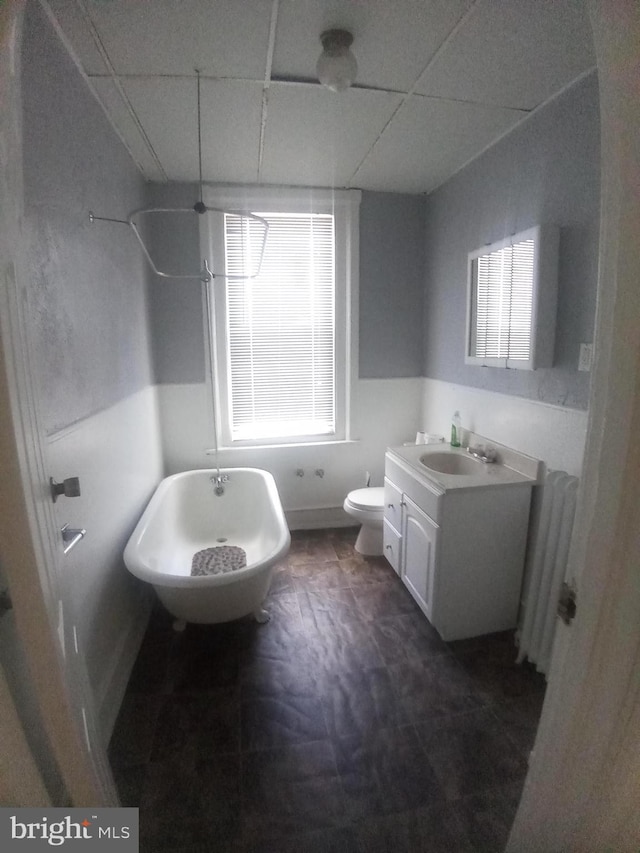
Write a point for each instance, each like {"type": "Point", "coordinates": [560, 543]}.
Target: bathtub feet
{"type": "Point", "coordinates": [261, 616]}
{"type": "Point", "coordinates": [179, 625]}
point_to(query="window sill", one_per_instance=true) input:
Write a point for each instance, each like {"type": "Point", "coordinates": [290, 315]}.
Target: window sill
{"type": "Point", "coordinates": [293, 444]}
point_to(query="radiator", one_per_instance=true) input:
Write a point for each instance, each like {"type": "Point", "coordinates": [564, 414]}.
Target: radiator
{"type": "Point", "coordinates": [546, 567]}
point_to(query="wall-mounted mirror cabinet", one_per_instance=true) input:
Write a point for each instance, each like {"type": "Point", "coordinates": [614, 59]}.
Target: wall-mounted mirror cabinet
{"type": "Point", "coordinates": [512, 297]}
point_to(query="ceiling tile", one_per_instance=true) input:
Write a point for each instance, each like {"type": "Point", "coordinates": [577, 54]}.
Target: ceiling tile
{"type": "Point", "coordinates": [125, 124]}
{"type": "Point", "coordinates": [428, 141]}
{"type": "Point", "coordinates": [231, 110]}
{"type": "Point", "coordinates": [514, 53]}
{"type": "Point", "coordinates": [393, 41]}
{"type": "Point", "coordinates": [221, 38]}
{"type": "Point", "coordinates": [315, 137]}
{"type": "Point", "coordinates": [502, 53]}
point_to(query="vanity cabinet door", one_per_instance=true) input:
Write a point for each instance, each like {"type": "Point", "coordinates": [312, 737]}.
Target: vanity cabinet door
{"type": "Point", "coordinates": [419, 556]}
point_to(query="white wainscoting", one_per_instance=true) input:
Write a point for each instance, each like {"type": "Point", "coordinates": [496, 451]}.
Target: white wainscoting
{"type": "Point", "coordinates": [384, 412]}
{"type": "Point", "coordinates": [554, 434]}
{"type": "Point", "coordinates": [116, 454]}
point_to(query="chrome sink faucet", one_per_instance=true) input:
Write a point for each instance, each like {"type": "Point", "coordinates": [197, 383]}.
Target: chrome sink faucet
{"type": "Point", "coordinates": [484, 454]}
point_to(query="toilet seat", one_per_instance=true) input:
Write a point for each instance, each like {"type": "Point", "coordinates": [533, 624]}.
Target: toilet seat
{"type": "Point", "coordinates": [370, 499]}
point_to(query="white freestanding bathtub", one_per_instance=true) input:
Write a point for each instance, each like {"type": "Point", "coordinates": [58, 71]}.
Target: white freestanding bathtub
{"type": "Point", "coordinates": [186, 515]}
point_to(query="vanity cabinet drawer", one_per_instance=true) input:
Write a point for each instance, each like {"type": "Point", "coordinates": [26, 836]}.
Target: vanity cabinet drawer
{"type": "Point", "coordinates": [392, 504]}
{"type": "Point", "coordinates": [392, 543]}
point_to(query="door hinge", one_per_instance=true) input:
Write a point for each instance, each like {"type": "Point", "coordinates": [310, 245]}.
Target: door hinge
{"type": "Point", "coordinates": [567, 603]}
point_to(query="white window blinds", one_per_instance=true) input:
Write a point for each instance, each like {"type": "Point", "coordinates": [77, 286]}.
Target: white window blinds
{"type": "Point", "coordinates": [280, 327]}
{"type": "Point", "coordinates": [504, 302]}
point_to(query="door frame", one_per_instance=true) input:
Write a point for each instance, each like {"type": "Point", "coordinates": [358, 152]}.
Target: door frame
{"type": "Point", "coordinates": [21, 783]}
{"type": "Point", "coordinates": [604, 553]}
{"type": "Point", "coordinates": [583, 786]}
{"type": "Point", "coordinates": [31, 549]}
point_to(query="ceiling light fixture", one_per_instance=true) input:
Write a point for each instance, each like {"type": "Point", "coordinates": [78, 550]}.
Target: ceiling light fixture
{"type": "Point", "coordinates": [337, 66]}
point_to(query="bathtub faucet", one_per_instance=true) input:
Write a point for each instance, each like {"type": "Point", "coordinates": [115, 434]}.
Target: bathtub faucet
{"type": "Point", "coordinates": [217, 481]}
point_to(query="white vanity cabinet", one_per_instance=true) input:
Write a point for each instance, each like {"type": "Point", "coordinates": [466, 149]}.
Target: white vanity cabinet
{"type": "Point", "coordinates": [459, 551]}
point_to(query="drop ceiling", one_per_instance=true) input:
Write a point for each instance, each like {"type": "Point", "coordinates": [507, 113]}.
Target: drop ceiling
{"type": "Point", "coordinates": [438, 82]}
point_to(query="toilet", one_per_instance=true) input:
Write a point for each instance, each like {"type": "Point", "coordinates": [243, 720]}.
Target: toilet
{"type": "Point", "coordinates": [367, 507]}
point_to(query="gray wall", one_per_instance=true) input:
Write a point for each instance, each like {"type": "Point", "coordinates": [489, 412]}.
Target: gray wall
{"type": "Point", "coordinates": [87, 292]}
{"type": "Point", "coordinates": [176, 306]}
{"type": "Point", "coordinates": [391, 286]}
{"type": "Point", "coordinates": [546, 171]}
{"type": "Point", "coordinates": [86, 299]}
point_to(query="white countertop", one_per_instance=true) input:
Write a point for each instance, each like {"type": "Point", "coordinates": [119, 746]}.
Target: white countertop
{"type": "Point", "coordinates": [511, 467]}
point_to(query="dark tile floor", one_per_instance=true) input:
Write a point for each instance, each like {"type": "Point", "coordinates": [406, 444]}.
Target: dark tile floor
{"type": "Point", "coordinates": [344, 724]}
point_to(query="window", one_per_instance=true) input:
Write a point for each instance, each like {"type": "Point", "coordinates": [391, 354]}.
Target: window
{"type": "Point", "coordinates": [512, 301]}
{"type": "Point", "coordinates": [283, 340]}
{"type": "Point", "coordinates": [280, 327]}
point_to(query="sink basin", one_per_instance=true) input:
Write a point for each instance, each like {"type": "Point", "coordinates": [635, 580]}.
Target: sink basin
{"type": "Point", "coordinates": [451, 463]}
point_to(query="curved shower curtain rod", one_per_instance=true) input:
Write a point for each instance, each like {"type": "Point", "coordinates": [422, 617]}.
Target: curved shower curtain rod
{"type": "Point", "coordinates": [205, 275]}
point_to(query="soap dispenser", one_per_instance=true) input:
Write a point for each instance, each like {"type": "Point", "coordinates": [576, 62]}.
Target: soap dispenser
{"type": "Point", "coordinates": [455, 430]}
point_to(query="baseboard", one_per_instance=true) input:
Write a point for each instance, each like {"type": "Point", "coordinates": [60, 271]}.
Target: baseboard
{"type": "Point", "coordinates": [113, 687]}
{"type": "Point", "coordinates": [317, 519]}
